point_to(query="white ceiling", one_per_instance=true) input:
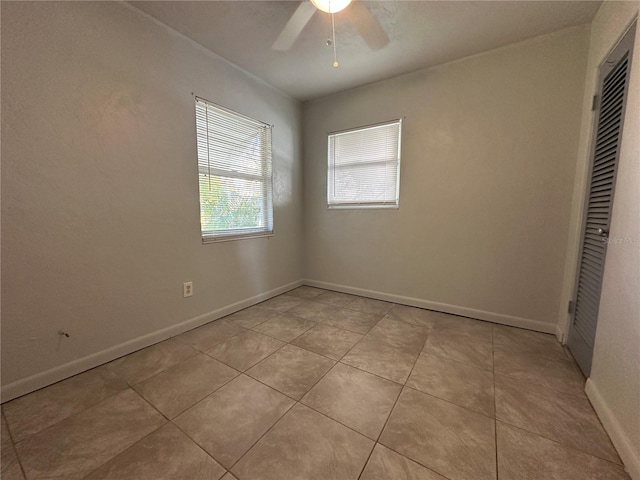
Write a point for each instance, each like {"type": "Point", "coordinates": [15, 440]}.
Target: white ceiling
{"type": "Point", "coordinates": [422, 34]}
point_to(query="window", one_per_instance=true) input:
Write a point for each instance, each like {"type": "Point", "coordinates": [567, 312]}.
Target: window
{"type": "Point", "coordinates": [234, 170]}
{"type": "Point", "coordinates": [364, 167]}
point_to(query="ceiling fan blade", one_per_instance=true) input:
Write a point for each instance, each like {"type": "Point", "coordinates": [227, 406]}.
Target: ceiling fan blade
{"type": "Point", "coordinates": [294, 26]}
{"type": "Point", "coordinates": [367, 25]}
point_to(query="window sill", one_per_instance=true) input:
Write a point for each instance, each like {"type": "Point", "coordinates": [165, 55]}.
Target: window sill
{"type": "Point", "coordinates": [230, 238]}
{"type": "Point", "coordinates": [363, 206]}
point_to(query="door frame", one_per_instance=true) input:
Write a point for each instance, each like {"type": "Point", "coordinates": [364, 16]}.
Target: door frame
{"type": "Point", "coordinates": [624, 42]}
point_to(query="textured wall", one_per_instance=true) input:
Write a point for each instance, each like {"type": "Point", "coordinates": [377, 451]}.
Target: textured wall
{"type": "Point", "coordinates": [100, 214]}
{"type": "Point", "coordinates": [488, 157]}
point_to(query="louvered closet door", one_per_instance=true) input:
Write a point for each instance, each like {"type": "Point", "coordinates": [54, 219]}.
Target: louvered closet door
{"type": "Point", "coordinates": [610, 104]}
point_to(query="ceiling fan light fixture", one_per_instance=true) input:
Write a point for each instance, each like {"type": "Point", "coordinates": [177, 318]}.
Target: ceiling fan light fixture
{"type": "Point", "coordinates": [331, 6]}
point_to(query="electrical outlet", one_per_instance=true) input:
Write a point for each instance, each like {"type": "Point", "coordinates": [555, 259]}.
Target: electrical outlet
{"type": "Point", "coordinates": [187, 289]}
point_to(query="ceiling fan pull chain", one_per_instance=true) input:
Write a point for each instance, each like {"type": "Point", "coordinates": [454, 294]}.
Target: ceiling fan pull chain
{"type": "Point", "coordinates": [333, 32]}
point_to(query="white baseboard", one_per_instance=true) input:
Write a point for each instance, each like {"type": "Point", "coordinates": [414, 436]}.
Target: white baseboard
{"type": "Point", "coordinates": [560, 335]}
{"type": "Point", "coordinates": [48, 377]}
{"type": "Point", "coordinates": [440, 307]}
{"type": "Point", "coordinates": [630, 457]}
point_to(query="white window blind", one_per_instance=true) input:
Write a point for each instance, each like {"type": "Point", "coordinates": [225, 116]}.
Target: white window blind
{"type": "Point", "coordinates": [235, 175]}
{"type": "Point", "coordinates": [364, 167]}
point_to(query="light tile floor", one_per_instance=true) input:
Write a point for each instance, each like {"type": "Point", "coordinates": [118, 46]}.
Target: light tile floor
{"type": "Point", "coordinates": [320, 385]}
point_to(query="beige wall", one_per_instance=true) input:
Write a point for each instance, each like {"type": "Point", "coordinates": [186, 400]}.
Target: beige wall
{"type": "Point", "coordinates": [100, 215]}
{"type": "Point", "coordinates": [614, 386]}
{"type": "Point", "coordinates": [488, 157]}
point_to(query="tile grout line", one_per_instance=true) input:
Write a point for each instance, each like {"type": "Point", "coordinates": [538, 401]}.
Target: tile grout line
{"type": "Point", "coordinates": [251, 328]}
{"type": "Point", "coordinates": [450, 402]}
{"type": "Point", "coordinates": [465, 364]}
{"type": "Point", "coordinates": [335, 362]}
{"type": "Point", "coordinates": [337, 421]}
{"type": "Point", "coordinates": [569, 447]}
{"type": "Point", "coordinates": [339, 306]}
{"type": "Point", "coordinates": [325, 374]}
{"type": "Point", "coordinates": [171, 420]}
{"type": "Point", "coordinates": [129, 387]}
{"type": "Point", "coordinates": [370, 373]}
{"type": "Point", "coordinates": [415, 461]}
{"type": "Point", "coordinates": [519, 427]}
{"type": "Point", "coordinates": [108, 365]}
{"type": "Point", "coordinates": [13, 445]}
{"type": "Point", "coordinates": [267, 431]}
{"type": "Point", "coordinates": [315, 324]}
{"type": "Point", "coordinates": [299, 402]}
{"type": "Point", "coordinates": [293, 345]}
{"type": "Point", "coordinates": [72, 415]}
{"type": "Point", "coordinates": [330, 358]}
{"type": "Point", "coordinates": [551, 390]}
{"type": "Point", "coordinates": [313, 409]}
{"type": "Point", "coordinates": [517, 350]}
{"type": "Point", "coordinates": [133, 387]}
{"type": "Point", "coordinates": [352, 331]}
{"type": "Point", "coordinates": [134, 443]}
{"type": "Point", "coordinates": [377, 441]}
{"type": "Point", "coordinates": [334, 327]}
{"type": "Point", "coordinates": [126, 449]}
{"type": "Point", "coordinates": [197, 402]}
{"type": "Point", "coordinates": [511, 348]}
{"type": "Point", "coordinates": [324, 355]}
{"type": "Point", "coordinates": [245, 330]}
{"type": "Point", "coordinates": [554, 390]}
{"type": "Point", "coordinates": [201, 448]}
{"type": "Point", "coordinates": [284, 344]}
{"type": "Point", "coordinates": [252, 445]}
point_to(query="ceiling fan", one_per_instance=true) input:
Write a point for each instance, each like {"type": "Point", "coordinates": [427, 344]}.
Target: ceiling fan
{"type": "Point", "coordinates": [358, 14]}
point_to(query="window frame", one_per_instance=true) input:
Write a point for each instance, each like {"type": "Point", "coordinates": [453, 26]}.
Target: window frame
{"type": "Point", "coordinates": [331, 168]}
{"type": "Point", "coordinates": [265, 177]}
